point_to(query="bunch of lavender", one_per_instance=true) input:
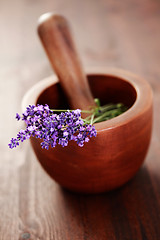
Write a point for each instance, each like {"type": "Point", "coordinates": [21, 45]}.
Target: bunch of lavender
{"type": "Point", "coordinates": [44, 123]}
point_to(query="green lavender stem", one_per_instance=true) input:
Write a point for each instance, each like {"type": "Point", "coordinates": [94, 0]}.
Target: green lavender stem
{"type": "Point", "coordinates": [100, 113]}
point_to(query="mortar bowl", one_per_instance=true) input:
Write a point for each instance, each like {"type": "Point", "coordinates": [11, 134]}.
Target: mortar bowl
{"type": "Point", "coordinates": [113, 157]}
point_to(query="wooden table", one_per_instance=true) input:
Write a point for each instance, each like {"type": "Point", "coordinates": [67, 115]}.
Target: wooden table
{"type": "Point", "coordinates": [123, 34]}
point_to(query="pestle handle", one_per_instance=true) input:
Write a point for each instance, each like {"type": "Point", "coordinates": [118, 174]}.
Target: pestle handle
{"type": "Point", "coordinates": [56, 38]}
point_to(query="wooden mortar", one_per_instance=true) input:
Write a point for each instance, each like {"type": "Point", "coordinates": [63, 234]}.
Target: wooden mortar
{"type": "Point", "coordinates": [115, 155]}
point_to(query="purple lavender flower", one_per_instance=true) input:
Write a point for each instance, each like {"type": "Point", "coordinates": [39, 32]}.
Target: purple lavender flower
{"type": "Point", "coordinates": [18, 117]}
{"type": "Point", "coordinates": [43, 123]}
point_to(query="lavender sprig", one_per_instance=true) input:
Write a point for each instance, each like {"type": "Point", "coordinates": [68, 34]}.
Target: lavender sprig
{"type": "Point", "coordinates": [44, 123]}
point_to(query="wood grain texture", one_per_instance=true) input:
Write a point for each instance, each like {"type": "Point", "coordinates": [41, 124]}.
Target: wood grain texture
{"type": "Point", "coordinates": [121, 34]}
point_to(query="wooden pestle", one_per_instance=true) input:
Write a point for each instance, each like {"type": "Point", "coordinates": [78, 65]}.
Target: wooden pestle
{"type": "Point", "coordinates": [56, 38]}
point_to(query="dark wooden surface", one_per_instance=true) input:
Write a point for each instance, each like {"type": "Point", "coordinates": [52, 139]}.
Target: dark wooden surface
{"type": "Point", "coordinates": [123, 34]}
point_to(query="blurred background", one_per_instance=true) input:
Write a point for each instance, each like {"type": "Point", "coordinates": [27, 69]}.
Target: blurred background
{"type": "Point", "coordinates": [123, 34]}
